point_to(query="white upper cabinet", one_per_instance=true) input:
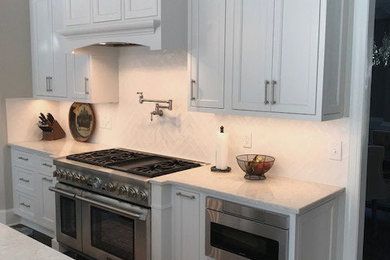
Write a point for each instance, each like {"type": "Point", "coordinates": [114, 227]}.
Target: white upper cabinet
{"type": "Point", "coordinates": [92, 75]}
{"type": "Point", "coordinates": [207, 53]}
{"type": "Point", "coordinates": [252, 57]}
{"type": "Point", "coordinates": [140, 8]}
{"type": "Point", "coordinates": [78, 74]}
{"type": "Point", "coordinates": [295, 56]}
{"type": "Point", "coordinates": [107, 10]}
{"type": "Point", "coordinates": [44, 48]}
{"type": "Point", "coordinates": [77, 12]}
{"type": "Point", "coordinates": [281, 59]}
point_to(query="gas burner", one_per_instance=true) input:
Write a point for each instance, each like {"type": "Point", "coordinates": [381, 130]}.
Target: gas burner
{"type": "Point", "coordinates": [106, 158]}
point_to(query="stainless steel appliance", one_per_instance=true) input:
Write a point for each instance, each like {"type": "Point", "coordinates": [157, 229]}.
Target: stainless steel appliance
{"type": "Point", "coordinates": [236, 232]}
{"type": "Point", "coordinates": [103, 201]}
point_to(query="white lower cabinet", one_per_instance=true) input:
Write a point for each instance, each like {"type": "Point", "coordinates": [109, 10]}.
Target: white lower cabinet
{"type": "Point", "coordinates": [186, 225]}
{"type": "Point", "coordinates": [24, 205]}
{"type": "Point", "coordinates": [179, 228]}
{"type": "Point", "coordinates": [46, 207]}
{"type": "Point", "coordinates": [32, 177]}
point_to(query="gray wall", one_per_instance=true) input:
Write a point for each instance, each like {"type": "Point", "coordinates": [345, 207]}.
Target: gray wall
{"type": "Point", "coordinates": [15, 77]}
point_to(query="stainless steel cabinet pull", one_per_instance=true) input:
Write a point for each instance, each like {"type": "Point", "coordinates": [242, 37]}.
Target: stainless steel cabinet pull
{"type": "Point", "coordinates": [48, 84]}
{"type": "Point", "coordinates": [266, 83]}
{"type": "Point", "coordinates": [23, 158]}
{"type": "Point", "coordinates": [24, 180]}
{"type": "Point", "coordinates": [25, 205]}
{"type": "Point", "coordinates": [47, 165]}
{"type": "Point", "coordinates": [193, 82]}
{"type": "Point", "coordinates": [86, 80]}
{"type": "Point", "coordinates": [273, 102]}
{"type": "Point", "coordinates": [191, 197]}
{"type": "Point", "coordinates": [47, 179]}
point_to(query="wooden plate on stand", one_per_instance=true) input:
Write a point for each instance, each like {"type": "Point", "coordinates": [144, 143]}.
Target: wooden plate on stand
{"type": "Point", "coordinates": [81, 121]}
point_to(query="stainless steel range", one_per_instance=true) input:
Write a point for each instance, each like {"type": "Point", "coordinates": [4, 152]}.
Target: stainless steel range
{"type": "Point", "coordinates": [103, 201]}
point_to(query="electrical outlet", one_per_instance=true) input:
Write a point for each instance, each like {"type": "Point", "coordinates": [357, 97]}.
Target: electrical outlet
{"type": "Point", "coordinates": [106, 122]}
{"type": "Point", "coordinates": [247, 140]}
{"type": "Point", "coordinates": [336, 151]}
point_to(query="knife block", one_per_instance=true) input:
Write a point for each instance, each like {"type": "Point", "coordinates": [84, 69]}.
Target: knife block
{"type": "Point", "coordinates": [55, 134]}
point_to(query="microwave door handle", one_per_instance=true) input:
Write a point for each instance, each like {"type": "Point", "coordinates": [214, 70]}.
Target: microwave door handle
{"type": "Point", "coordinates": [62, 192]}
{"type": "Point", "coordinates": [141, 217]}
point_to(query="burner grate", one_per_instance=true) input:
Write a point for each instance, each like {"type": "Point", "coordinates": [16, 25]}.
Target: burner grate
{"type": "Point", "coordinates": [106, 158]}
{"type": "Point", "coordinates": [163, 168]}
{"type": "Point", "coordinates": [133, 162]}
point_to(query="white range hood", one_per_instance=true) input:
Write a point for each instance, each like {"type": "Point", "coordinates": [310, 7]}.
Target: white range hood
{"type": "Point", "coordinates": [159, 24]}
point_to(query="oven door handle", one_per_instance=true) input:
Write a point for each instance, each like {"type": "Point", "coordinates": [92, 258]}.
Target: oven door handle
{"type": "Point", "coordinates": [62, 192]}
{"type": "Point", "coordinates": [141, 217]}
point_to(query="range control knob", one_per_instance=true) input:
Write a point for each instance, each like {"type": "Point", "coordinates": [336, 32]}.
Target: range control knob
{"type": "Point", "coordinates": [68, 175]}
{"type": "Point", "coordinates": [109, 187]}
{"type": "Point", "coordinates": [143, 195]}
{"type": "Point", "coordinates": [61, 174]}
{"type": "Point", "coordinates": [55, 173]}
{"type": "Point", "coordinates": [82, 179]}
{"type": "Point", "coordinates": [123, 190]}
{"type": "Point", "coordinates": [94, 182]}
{"type": "Point", "coordinates": [133, 192]}
{"type": "Point", "coordinates": [76, 177]}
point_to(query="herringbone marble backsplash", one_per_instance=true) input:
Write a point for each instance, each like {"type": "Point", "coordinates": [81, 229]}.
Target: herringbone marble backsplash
{"type": "Point", "coordinates": [301, 148]}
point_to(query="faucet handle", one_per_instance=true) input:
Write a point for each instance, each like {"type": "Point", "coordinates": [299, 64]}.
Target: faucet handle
{"type": "Point", "coordinates": [140, 93]}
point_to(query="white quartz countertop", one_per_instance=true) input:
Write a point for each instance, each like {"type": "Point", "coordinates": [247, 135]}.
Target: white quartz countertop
{"type": "Point", "coordinates": [275, 193]}
{"type": "Point", "coordinates": [59, 148]}
{"type": "Point", "coordinates": [15, 245]}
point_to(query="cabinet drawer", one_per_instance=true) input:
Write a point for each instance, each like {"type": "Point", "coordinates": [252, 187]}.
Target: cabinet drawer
{"type": "Point", "coordinates": [45, 166]}
{"type": "Point", "coordinates": [23, 159]}
{"type": "Point", "coordinates": [23, 180]}
{"type": "Point", "coordinates": [24, 205]}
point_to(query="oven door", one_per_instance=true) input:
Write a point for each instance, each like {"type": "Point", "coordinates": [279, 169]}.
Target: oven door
{"type": "Point", "coordinates": [114, 230]}
{"type": "Point", "coordinates": [68, 217]}
{"type": "Point", "coordinates": [229, 237]}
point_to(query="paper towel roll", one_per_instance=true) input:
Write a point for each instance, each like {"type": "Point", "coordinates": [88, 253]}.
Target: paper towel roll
{"type": "Point", "coordinates": [222, 150]}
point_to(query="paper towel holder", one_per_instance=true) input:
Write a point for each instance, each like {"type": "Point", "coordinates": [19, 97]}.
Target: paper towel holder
{"type": "Point", "coordinates": [214, 168]}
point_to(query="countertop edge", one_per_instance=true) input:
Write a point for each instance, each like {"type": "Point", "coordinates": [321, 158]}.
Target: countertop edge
{"type": "Point", "coordinates": [16, 145]}
{"type": "Point", "coordinates": [255, 202]}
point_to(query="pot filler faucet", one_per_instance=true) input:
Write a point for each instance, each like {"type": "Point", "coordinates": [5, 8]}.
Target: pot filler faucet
{"type": "Point", "coordinates": [158, 108]}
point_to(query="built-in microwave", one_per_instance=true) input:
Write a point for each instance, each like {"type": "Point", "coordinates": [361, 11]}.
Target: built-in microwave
{"type": "Point", "coordinates": [238, 232]}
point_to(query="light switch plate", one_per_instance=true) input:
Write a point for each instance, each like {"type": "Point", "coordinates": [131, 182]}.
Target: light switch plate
{"type": "Point", "coordinates": [336, 151]}
{"type": "Point", "coordinates": [247, 140]}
